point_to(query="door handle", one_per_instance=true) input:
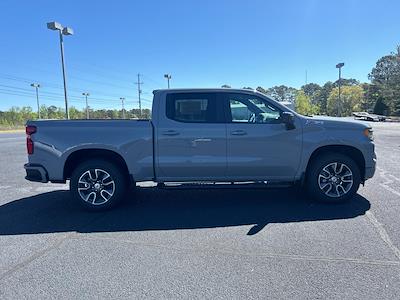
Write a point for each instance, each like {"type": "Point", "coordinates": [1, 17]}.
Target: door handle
{"type": "Point", "coordinates": [170, 132]}
{"type": "Point", "coordinates": [194, 142]}
{"type": "Point", "coordinates": [238, 132]}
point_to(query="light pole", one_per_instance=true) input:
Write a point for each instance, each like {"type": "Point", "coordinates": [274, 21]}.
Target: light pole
{"type": "Point", "coordinates": [62, 31]}
{"type": "Point", "coordinates": [87, 106]}
{"type": "Point", "coordinates": [37, 86]}
{"type": "Point", "coordinates": [339, 66]}
{"type": "Point", "coordinates": [123, 106]}
{"type": "Point", "coordinates": [168, 77]}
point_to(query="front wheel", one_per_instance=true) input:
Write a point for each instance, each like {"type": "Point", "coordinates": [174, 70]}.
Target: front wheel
{"type": "Point", "coordinates": [97, 184]}
{"type": "Point", "coordinates": [333, 177]}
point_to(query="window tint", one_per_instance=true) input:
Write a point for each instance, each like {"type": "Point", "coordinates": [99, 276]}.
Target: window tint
{"type": "Point", "coordinates": [192, 107]}
{"type": "Point", "coordinates": [251, 109]}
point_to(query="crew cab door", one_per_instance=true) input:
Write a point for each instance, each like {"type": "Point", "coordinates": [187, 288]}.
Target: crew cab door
{"type": "Point", "coordinates": [259, 146]}
{"type": "Point", "coordinates": [191, 138]}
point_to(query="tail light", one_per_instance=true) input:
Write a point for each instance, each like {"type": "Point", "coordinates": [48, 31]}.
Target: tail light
{"type": "Point", "coordinates": [29, 143]}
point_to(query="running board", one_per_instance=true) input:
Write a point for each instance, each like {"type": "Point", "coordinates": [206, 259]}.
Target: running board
{"type": "Point", "coordinates": [223, 185]}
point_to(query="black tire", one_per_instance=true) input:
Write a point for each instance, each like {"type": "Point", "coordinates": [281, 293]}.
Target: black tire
{"type": "Point", "coordinates": [315, 178]}
{"type": "Point", "coordinates": [109, 191]}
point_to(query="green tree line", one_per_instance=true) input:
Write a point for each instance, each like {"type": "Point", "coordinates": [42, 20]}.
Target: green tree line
{"type": "Point", "coordinates": [17, 116]}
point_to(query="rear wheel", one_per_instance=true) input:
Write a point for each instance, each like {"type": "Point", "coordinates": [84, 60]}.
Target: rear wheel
{"type": "Point", "coordinates": [98, 184]}
{"type": "Point", "coordinates": [333, 177]}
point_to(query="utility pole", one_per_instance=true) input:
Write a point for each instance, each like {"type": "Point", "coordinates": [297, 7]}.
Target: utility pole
{"type": "Point", "coordinates": [87, 106]}
{"type": "Point", "coordinates": [139, 93]}
{"type": "Point", "coordinates": [123, 106]}
{"type": "Point", "coordinates": [306, 77]}
{"type": "Point", "coordinates": [37, 86]}
{"type": "Point", "coordinates": [339, 66]}
{"type": "Point", "coordinates": [168, 77]}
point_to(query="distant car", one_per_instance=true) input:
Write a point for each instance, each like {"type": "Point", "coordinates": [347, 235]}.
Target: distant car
{"type": "Point", "coordinates": [368, 117]}
{"type": "Point", "coordinates": [288, 104]}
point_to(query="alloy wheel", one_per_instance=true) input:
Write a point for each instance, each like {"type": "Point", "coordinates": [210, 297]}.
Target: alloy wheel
{"type": "Point", "coordinates": [335, 179]}
{"type": "Point", "coordinates": [96, 186]}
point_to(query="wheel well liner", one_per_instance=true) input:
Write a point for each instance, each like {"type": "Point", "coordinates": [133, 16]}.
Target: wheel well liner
{"type": "Point", "coordinates": [79, 156]}
{"type": "Point", "coordinates": [349, 151]}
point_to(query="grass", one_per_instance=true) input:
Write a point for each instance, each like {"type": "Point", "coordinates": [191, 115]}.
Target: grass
{"type": "Point", "coordinates": [12, 129]}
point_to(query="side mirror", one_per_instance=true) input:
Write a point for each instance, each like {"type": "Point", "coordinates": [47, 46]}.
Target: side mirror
{"type": "Point", "coordinates": [288, 119]}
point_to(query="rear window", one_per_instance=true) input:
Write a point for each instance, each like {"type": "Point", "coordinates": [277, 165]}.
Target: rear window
{"type": "Point", "coordinates": [192, 107]}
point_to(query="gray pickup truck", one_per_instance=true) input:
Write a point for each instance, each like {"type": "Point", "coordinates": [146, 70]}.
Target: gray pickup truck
{"type": "Point", "coordinates": [202, 135]}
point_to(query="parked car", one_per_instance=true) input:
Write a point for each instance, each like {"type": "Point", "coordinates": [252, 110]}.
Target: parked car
{"type": "Point", "coordinates": [369, 117]}
{"type": "Point", "coordinates": [213, 135]}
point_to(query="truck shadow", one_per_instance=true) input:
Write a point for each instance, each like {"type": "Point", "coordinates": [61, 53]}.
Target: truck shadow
{"type": "Point", "coordinates": [163, 209]}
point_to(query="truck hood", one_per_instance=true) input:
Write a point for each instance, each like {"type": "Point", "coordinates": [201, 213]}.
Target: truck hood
{"type": "Point", "coordinates": [334, 122]}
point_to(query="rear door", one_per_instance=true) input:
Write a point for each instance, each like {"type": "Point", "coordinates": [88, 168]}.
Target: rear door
{"type": "Point", "coordinates": [191, 138]}
{"type": "Point", "coordinates": [259, 147]}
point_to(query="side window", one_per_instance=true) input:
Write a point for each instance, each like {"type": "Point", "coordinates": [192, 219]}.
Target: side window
{"type": "Point", "coordinates": [240, 111]}
{"type": "Point", "coordinates": [252, 109]}
{"type": "Point", "coordinates": [192, 107]}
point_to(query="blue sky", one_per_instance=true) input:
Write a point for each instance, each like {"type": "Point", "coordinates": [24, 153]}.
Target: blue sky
{"type": "Point", "coordinates": [201, 43]}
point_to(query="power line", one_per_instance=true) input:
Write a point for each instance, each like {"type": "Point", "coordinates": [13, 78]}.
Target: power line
{"type": "Point", "coordinates": [75, 97]}
{"type": "Point", "coordinates": [57, 86]}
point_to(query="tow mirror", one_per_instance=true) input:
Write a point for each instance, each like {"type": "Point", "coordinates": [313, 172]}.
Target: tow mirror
{"type": "Point", "coordinates": [288, 119]}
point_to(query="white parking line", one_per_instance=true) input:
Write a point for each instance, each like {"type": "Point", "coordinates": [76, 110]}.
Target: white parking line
{"type": "Point", "coordinates": [388, 179]}
{"type": "Point", "coordinates": [382, 233]}
{"type": "Point", "coordinates": [11, 139]}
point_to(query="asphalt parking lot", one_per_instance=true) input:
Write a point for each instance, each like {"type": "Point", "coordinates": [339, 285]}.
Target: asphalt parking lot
{"type": "Point", "coordinates": [209, 243]}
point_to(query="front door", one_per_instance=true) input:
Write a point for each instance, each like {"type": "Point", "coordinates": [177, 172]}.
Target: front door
{"type": "Point", "coordinates": [191, 138]}
{"type": "Point", "coordinates": [259, 147]}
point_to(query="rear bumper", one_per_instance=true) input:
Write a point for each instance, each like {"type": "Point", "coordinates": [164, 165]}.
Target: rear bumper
{"type": "Point", "coordinates": [36, 173]}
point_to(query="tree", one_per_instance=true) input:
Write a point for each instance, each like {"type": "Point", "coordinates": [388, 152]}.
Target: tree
{"type": "Point", "coordinates": [75, 113]}
{"type": "Point", "coordinates": [346, 82]}
{"type": "Point", "coordinates": [17, 117]}
{"type": "Point", "coordinates": [386, 76]}
{"type": "Point", "coordinates": [312, 91]}
{"type": "Point", "coordinates": [350, 100]}
{"type": "Point", "coordinates": [324, 95]}
{"type": "Point", "coordinates": [226, 86]}
{"type": "Point", "coordinates": [380, 107]}
{"type": "Point", "coordinates": [303, 104]}
{"type": "Point", "coordinates": [261, 90]}
{"type": "Point", "coordinates": [53, 112]}
{"type": "Point", "coordinates": [371, 95]}
{"type": "Point", "coordinates": [282, 93]}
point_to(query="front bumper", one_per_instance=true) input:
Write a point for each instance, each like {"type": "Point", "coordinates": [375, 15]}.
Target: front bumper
{"type": "Point", "coordinates": [370, 171]}
{"type": "Point", "coordinates": [370, 161]}
{"type": "Point", "coordinates": [35, 172]}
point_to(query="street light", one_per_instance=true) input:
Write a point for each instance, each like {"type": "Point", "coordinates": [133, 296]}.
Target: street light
{"type": "Point", "coordinates": [168, 77]}
{"type": "Point", "coordinates": [62, 31]}
{"type": "Point", "coordinates": [37, 86]}
{"type": "Point", "coordinates": [87, 106]}
{"type": "Point", "coordinates": [123, 107]}
{"type": "Point", "coordinates": [339, 66]}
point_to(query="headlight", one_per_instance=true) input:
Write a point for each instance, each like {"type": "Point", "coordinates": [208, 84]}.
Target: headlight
{"type": "Point", "coordinates": [369, 133]}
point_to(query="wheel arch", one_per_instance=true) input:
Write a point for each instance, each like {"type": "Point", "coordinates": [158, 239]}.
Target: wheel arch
{"type": "Point", "coordinates": [350, 151]}
{"type": "Point", "coordinates": [77, 157]}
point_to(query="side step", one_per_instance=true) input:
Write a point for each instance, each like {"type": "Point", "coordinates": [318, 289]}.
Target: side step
{"type": "Point", "coordinates": [223, 185]}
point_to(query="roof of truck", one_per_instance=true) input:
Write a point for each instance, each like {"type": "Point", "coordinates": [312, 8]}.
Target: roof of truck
{"type": "Point", "coordinates": [206, 90]}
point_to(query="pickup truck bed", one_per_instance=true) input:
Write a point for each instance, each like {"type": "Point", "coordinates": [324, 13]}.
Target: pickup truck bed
{"type": "Point", "coordinates": [58, 141]}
